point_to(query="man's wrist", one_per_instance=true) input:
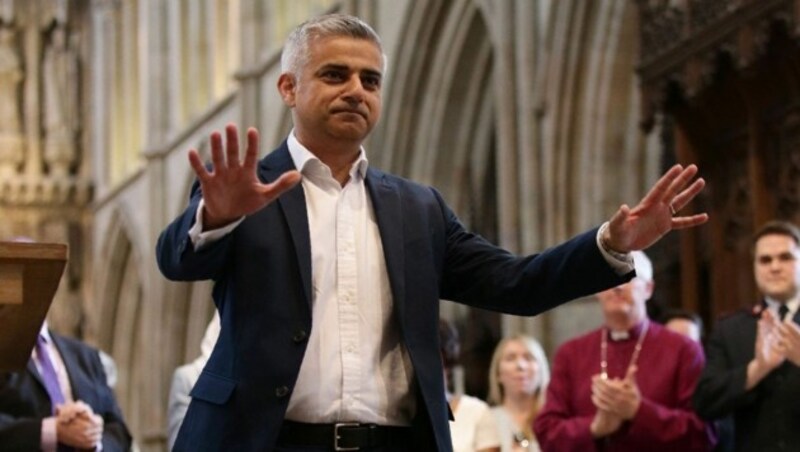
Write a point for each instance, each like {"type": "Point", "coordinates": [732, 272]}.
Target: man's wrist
{"type": "Point", "coordinates": [49, 438]}
{"type": "Point", "coordinates": [605, 242]}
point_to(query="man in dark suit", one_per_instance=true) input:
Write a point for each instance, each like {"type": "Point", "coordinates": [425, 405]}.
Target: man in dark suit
{"type": "Point", "coordinates": [328, 288]}
{"type": "Point", "coordinates": [752, 372]}
{"type": "Point", "coordinates": [61, 399]}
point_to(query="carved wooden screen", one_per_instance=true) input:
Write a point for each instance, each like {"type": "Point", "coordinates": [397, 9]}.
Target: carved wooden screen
{"type": "Point", "coordinates": [727, 75]}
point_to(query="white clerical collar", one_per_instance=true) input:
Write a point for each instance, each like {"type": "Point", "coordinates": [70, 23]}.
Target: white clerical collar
{"type": "Point", "coordinates": [622, 335]}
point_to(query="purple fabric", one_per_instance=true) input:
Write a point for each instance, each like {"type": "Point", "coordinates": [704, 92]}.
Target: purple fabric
{"type": "Point", "coordinates": [48, 371]}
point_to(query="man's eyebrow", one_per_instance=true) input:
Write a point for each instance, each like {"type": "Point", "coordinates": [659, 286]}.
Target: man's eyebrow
{"type": "Point", "coordinates": [372, 72]}
{"type": "Point", "coordinates": [344, 67]}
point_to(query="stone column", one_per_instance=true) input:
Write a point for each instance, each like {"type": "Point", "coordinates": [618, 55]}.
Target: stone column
{"type": "Point", "coordinates": [11, 75]}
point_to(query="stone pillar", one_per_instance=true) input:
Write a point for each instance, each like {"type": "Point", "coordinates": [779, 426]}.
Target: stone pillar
{"type": "Point", "coordinates": [11, 75]}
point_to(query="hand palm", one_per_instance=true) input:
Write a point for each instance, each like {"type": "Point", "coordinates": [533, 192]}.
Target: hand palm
{"type": "Point", "coordinates": [231, 189]}
{"type": "Point", "coordinates": [639, 227]}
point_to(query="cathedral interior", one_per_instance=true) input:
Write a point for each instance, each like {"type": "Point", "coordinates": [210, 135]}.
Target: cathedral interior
{"type": "Point", "coordinates": [535, 119]}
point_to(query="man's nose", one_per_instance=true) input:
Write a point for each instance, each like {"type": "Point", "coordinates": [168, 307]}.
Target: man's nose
{"type": "Point", "coordinates": [354, 92]}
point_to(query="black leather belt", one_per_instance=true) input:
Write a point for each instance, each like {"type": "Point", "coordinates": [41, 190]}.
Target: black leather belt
{"type": "Point", "coordinates": [342, 436]}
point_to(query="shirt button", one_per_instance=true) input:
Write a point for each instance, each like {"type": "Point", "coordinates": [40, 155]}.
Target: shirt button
{"type": "Point", "coordinates": [281, 391]}
{"type": "Point", "coordinates": [299, 336]}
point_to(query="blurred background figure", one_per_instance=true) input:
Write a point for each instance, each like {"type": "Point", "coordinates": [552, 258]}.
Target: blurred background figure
{"type": "Point", "coordinates": [683, 322]}
{"type": "Point", "coordinates": [473, 429]}
{"type": "Point", "coordinates": [518, 379]}
{"type": "Point", "coordinates": [183, 381]}
{"type": "Point", "coordinates": [751, 381]}
{"type": "Point", "coordinates": [60, 400]}
{"type": "Point", "coordinates": [626, 386]}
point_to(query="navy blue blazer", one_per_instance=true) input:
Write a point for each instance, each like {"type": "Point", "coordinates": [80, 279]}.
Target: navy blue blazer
{"type": "Point", "coordinates": [262, 274]}
{"type": "Point", "coordinates": [24, 401]}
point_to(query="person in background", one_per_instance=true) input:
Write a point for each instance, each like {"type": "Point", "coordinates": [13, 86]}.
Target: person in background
{"type": "Point", "coordinates": [684, 322]}
{"type": "Point", "coordinates": [626, 386]}
{"type": "Point", "coordinates": [183, 381]}
{"type": "Point", "coordinates": [473, 428]}
{"type": "Point", "coordinates": [752, 376]}
{"type": "Point", "coordinates": [61, 399]}
{"type": "Point", "coordinates": [518, 379]}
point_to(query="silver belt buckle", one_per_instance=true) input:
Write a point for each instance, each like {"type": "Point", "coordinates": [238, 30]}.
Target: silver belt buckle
{"type": "Point", "coordinates": [336, 436]}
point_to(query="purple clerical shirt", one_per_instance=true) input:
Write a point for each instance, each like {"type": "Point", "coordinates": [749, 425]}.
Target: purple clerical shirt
{"type": "Point", "coordinates": [669, 366]}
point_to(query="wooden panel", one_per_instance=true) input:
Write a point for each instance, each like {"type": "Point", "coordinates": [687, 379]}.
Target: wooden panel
{"type": "Point", "coordinates": [41, 266]}
{"type": "Point", "coordinates": [10, 284]}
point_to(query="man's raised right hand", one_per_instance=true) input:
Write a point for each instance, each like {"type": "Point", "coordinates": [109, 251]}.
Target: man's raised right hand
{"type": "Point", "coordinates": [231, 189]}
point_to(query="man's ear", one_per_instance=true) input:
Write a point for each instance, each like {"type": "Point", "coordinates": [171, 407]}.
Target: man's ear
{"type": "Point", "coordinates": [286, 87]}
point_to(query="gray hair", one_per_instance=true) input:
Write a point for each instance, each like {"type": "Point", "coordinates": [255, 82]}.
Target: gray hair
{"type": "Point", "coordinates": [644, 268]}
{"type": "Point", "coordinates": [295, 50]}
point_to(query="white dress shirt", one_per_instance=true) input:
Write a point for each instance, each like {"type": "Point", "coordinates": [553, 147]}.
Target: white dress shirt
{"type": "Point", "coordinates": [774, 305]}
{"type": "Point", "coordinates": [356, 367]}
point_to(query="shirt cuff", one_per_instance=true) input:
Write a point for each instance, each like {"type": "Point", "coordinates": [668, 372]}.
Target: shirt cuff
{"type": "Point", "coordinates": [622, 263]}
{"type": "Point", "coordinates": [202, 238]}
{"type": "Point", "coordinates": [49, 438]}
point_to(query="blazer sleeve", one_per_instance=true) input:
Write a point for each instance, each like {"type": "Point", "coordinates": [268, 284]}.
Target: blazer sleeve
{"type": "Point", "coordinates": [19, 433]}
{"type": "Point", "coordinates": [721, 388]}
{"type": "Point", "coordinates": [481, 274]}
{"type": "Point", "coordinates": [176, 256]}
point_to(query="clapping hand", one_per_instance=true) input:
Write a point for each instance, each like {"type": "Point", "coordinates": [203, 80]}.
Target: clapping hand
{"type": "Point", "coordinates": [768, 353]}
{"type": "Point", "coordinates": [231, 189]}
{"type": "Point", "coordinates": [620, 397]}
{"type": "Point", "coordinates": [657, 213]}
{"type": "Point", "coordinates": [788, 334]}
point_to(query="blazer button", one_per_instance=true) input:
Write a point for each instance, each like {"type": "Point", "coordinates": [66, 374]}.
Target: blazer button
{"type": "Point", "coordinates": [281, 391]}
{"type": "Point", "coordinates": [299, 336]}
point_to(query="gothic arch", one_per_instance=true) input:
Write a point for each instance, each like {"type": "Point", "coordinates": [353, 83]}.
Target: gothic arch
{"type": "Point", "coordinates": [438, 125]}
{"type": "Point", "coordinates": [121, 319]}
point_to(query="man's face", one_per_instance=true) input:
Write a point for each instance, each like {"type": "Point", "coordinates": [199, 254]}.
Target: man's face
{"type": "Point", "coordinates": [776, 270]}
{"type": "Point", "coordinates": [336, 94]}
{"type": "Point", "coordinates": [626, 299]}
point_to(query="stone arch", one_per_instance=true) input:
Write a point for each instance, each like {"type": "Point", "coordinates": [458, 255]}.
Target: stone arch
{"type": "Point", "coordinates": [591, 110]}
{"type": "Point", "coordinates": [121, 317]}
{"type": "Point", "coordinates": [439, 124]}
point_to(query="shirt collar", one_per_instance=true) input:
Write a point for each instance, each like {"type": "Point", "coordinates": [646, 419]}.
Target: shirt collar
{"type": "Point", "coordinates": [309, 164]}
{"type": "Point", "coordinates": [45, 331]}
{"type": "Point", "coordinates": [792, 304]}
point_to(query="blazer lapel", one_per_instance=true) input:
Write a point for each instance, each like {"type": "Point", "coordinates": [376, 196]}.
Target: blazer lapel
{"type": "Point", "coordinates": [35, 373]}
{"type": "Point", "coordinates": [70, 361]}
{"type": "Point", "coordinates": [386, 203]}
{"type": "Point", "coordinates": [293, 205]}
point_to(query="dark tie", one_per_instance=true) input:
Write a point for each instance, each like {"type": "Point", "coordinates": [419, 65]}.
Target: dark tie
{"type": "Point", "coordinates": [48, 371]}
{"type": "Point", "coordinates": [782, 311]}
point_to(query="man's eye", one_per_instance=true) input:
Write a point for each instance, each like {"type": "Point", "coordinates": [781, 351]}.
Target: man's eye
{"type": "Point", "coordinates": [333, 75]}
{"type": "Point", "coordinates": [371, 82]}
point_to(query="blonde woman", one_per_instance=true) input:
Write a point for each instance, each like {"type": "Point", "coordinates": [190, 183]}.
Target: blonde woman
{"type": "Point", "coordinates": [518, 378]}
